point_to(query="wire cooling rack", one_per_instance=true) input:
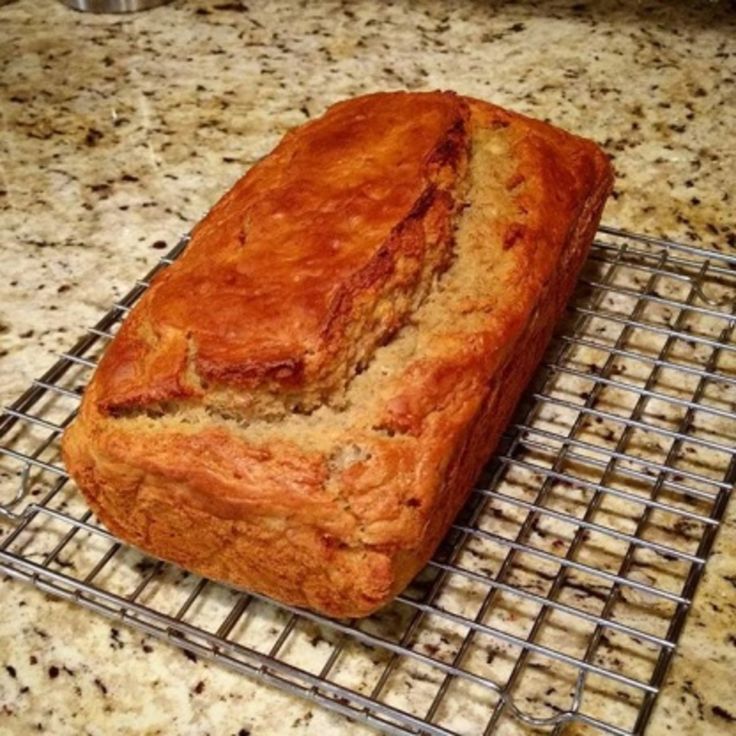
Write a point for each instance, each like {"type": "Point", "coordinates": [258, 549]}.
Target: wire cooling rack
{"type": "Point", "coordinates": [561, 590]}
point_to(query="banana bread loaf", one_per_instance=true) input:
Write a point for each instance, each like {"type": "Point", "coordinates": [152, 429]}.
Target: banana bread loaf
{"type": "Point", "coordinates": [300, 404]}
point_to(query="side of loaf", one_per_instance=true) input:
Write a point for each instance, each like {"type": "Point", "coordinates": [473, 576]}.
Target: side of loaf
{"type": "Point", "coordinates": [300, 405]}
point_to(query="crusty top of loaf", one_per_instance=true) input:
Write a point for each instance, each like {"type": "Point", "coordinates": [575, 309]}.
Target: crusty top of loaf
{"type": "Point", "coordinates": [312, 260]}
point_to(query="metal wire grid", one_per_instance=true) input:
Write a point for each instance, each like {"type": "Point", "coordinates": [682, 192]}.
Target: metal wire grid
{"type": "Point", "coordinates": [560, 592]}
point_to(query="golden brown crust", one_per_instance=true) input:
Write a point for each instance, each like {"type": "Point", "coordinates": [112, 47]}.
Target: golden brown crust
{"type": "Point", "coordinates": [341, 525]}
{"type": "Point", "coordinates": [284, 284]}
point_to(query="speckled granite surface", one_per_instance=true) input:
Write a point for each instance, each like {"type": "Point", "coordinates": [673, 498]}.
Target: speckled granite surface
{"type": "Point", "coordinates": [118, 132]}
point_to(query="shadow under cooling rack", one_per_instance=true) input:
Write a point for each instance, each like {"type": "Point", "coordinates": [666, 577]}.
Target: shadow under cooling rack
{"type": "Point", "coordinates": [561, 590]}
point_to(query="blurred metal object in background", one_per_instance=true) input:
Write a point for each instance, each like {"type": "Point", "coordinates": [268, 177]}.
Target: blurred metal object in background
{"type": "Point", "coordinates": [113, 6]}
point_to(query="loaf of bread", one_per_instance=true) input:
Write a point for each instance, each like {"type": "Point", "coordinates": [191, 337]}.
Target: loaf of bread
{"type": "Point", "coordinates": [299, 406]}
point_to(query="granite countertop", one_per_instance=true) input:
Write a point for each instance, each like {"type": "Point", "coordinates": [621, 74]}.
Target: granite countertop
{"type": "Point", "coordinates": [119, 131]}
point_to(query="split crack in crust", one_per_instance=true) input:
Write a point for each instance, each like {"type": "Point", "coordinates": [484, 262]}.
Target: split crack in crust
{"type": "Point", "coordinates": [339, 256]}
{"type": "Point", "coordinates": [337, 507]}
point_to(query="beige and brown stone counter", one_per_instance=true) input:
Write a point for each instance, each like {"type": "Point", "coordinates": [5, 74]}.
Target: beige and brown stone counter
{"type": "Point", "coordinates": [119, 131]}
